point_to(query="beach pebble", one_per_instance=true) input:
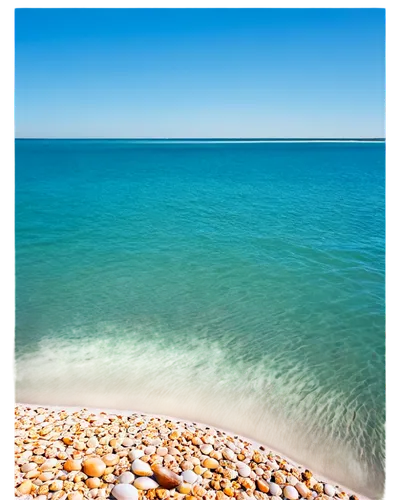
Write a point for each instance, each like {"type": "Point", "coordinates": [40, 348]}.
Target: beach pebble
{"type": "Point", "coordinates": [115, 443]}
{"type": "Point", "coordinates": [127, 442]}
{"type": "Point", "coordinates": [200, 470]}
{"type": "Point", "coordinates": [189, 476]}
{"type": "Point", "coordinates": [156, 442]}
{"type": "Point", "coordinates": [72, 465]}
{"type": "Point", "coordinates": [140, 468]}
{"type": "Point", "coordinates": [274, 489]}
{"type": "Point", "coordinates": [94, 467]}
{"type": "Point", "coordinates": [243, 470]}
{"type": "Point", "coordinates": [162, 451]}
{"type": "Point", "coordinates": [262, 485]}
{"type": "Point", "coordinates": [59, 495]}
{"type": "Point", "coordinates": [145, 483]}
{"type": "Point", "coordinates": [228, 454]}
{"type": "Point", "coordinates": [208, 439]}
{"type": "Point", "coordinates": [46, 476]}
{"type": "Point", "coordinates": [126, 478]}
{"type": "Point", "coordinates": [110, 459]}
{"type": "Point", "coordinates": [92, 442]}
{"type": "Point", "coordinates": [56, 485]}
{"type": "Point", "coordinates": [241, 495]}
{"type": "Point", "coordinates": [272, 464]}
{"type": "Point", "coordinates": [25, 487]}
{"type": "Point", "coordinates": [185, 488]}
{"type": "Point", "coordinates": [329, 490]}
{"type": "Point", "coordinates": [210, 463]}
{"type": "Point", "coordinates": [79, 445]}
{"type": "Point", "coordinates": [149, 450]}
{"type": "Point", "coordinates": [280, 477]}
{"type": "Point", "coordinates": [109, 478]}
{"type": "Point", "coordinates": [75, 495]}
{"type": "Point", "coordinates": [206, 449]}
{"type": "Point", "coordinates": [290, 493]}
{"type": "Point", "coordinates": [232, 446]}
{"type": "Point", "coordinates": [186, 465]}
{"type": "Point", "coordinates": [173, 451]}
{"type": "Point", "coordinates": [319, 487]}
{"type": "Point", "coordinates": [48, 464]}
{"type": "Point", "coordinates": [166, 478]}
{"type": "Point", "coordinates": [216, 454]}
{"type": "Point", "coordinates": [93, 482]}
{"type": "Point", "coordinates": [135, 454]}
{"type": "Point", "coordinates": [302, 489]}
{"type": "Point", "coordinates": [199, 491]}
{"type": "Point", "coordinates": [229, 491]}
{"type": "Point", "coordinates": [125, 492]}
{"type": "Point", "coordinates": [32, 474]}
{"type": "Point", "coordinates": [28, 467]}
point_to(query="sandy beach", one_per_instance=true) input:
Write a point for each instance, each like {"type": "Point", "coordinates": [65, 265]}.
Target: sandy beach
{"type": "Point", "coordinates": [70, 453]}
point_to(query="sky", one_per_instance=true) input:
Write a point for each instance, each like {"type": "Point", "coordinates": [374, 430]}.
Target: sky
{"type": "Point", "coordinates": [175, 73]}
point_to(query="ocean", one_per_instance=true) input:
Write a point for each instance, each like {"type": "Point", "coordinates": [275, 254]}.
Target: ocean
{"type": "Point", "coordinates": [240, 284]}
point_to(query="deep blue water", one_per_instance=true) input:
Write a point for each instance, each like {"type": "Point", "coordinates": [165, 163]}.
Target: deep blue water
{"type": "Point", "coordinates": [240, 284]}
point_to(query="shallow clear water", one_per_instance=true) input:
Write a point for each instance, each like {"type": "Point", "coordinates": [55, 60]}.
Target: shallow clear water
{"type": "Point", "coordinates": [239, 284]}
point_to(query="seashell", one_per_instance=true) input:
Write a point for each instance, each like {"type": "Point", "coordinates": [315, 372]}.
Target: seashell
{"type": "Point", "coordinates": [190, 477]}
{"type": "Point", "coordinates": [290, 493]}
{"type": "Point", "coordinates": [140, 468]}
{"type": "Point", "coordinates": [145, 483]}
{"type": "Point", "coordinates": [210, 463]}
{"type": "Point", "coordinates": [135, 454]}
{"type": "Point", "coordinates": [125, 492]}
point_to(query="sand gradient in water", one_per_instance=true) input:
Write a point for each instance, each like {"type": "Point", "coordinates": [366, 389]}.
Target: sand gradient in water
{"type": "Point", "coordinates": [236, 284]}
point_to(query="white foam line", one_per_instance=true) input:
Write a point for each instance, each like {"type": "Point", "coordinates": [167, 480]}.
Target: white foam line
{"type": "Point", "coordinates": [255, 444]}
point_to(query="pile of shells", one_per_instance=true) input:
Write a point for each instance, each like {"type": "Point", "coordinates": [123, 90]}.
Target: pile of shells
{"type": "Point", "coordinates": [65, 455]}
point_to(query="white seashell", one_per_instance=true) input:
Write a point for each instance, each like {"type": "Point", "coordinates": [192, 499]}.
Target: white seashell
{"type": "Point", "coordinates": [140, 468]}
{"type": "Point", "coordinates": [274, 489]}
{"type": "Point", "coordinates": [243, 470]}
{"type": "Point", "coordinates": [206, 449]}
{"type": "Point", "coordinates": [134, 454]}
{"type": "Point", "coordinates": [126, 478]}
{"type": "Point", "coordinates": [329, 490]}
{"type": "Point", "coordinates": [290, 493]}
{"type": "Point", "coordinates": [190, 477]}
{"type": "Point", "coordinates": [228, 454]}
{"type": "Point", "coordinates": [125, 492]}
{"type": "Point", "coordinates": [145, 483]}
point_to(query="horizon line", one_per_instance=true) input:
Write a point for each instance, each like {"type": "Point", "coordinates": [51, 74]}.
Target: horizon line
{"type": "Point", "coordinates": [205, 138]}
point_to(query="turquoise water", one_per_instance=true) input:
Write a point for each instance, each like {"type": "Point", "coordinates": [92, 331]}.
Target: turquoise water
{"type": "Point", "coordinates": [238, 284]}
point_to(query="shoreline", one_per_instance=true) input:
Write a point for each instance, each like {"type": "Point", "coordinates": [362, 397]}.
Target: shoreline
{"type": "Point", "coordinates": [254, 445]}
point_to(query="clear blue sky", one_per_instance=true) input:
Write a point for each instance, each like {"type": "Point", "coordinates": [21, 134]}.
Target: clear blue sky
{"type": "Point", "coordinates": [200, 72]}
